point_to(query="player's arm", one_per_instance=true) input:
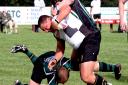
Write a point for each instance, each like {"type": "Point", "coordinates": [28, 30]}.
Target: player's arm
{"type": "Point", "coordinates": [121, 12]}
{"type": "Point", "coordinates": [59, 53]}
{"type": "Point", "coordinates": [63, 13]}
{"type": "Point", "coordinates": [74, 60]}
{"type": "Point", "coordinates": [63, 9]}
{"type": "Point", "coordinates": [60, 49]}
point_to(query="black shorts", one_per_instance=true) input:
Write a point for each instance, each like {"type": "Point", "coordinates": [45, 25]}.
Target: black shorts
{"type": "Point", "coordinates": [89, 48]}
{"type": "Point", "coordinates": [38, 72]}
{"type": "Point", "coordinates": [97, 16]}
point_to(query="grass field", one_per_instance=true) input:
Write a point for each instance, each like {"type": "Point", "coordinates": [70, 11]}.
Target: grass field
{"type": "Point", "coordinates": [114, 49]}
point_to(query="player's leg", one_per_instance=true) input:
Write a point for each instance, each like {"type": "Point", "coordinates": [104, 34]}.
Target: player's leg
{"type": "Point", "coordinates": [17, 82]}
{"type": "Point", "coordinates": [88, 76]}
{"type": "Point", "coordinates": [31, 82]}
{"type": "Point", "coordinates": [24, 49]}
{"type": "Point", "coordinates": [95, 19]}
{"type": "Point", "coordinates": [86, 72]}
{"type": "Point", "coordinates": [10, 24]}
{"type": "Point", "coordinates": [99, 17]}
{"type": "Point", "coordinates": [15, 27]}
{"type": "Point", "coordinates": [89, 50]}
{"type": "Point", "coordinates": [105, 67]}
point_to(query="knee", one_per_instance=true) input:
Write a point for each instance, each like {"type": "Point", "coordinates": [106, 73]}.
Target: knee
{"type": "Point", "coordinates": [88, 78]}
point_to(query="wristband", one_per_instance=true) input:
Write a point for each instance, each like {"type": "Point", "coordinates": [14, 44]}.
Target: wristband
{"type": "Point", "coordinates": [56, 21]}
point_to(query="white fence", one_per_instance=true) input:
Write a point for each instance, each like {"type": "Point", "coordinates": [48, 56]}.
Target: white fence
{"type": "Point", "coordinates": [26, 15]}
{"type": "Point", "coordinates": [30, 15]}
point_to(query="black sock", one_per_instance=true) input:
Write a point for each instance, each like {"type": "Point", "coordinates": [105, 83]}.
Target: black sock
{"type": "Point", "coordinates": [99, 81]}
{"type": "Point", "coordinates": [104, 67]}
{"type": "Point", "coordinates": [74, 65]}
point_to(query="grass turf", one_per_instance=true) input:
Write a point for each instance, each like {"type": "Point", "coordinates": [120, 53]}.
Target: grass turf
{"type": "Point", "coordinates": [114, 49]}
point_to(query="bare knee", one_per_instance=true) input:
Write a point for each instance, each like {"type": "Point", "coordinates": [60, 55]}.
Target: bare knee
{"type": "Point", "coordinates": [87, 72]}
{"type": "Point", "coordinates": [88, 78]}
{"type": "Point", "coordinates": [31, 82]}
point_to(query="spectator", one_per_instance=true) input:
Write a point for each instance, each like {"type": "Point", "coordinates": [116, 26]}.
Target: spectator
{"type": "Point", "coordinates": [95, 10]}
{"type": "Point", "coordinates": [7, 22]}
{"type": "Point", "coordinates": [41, 4]}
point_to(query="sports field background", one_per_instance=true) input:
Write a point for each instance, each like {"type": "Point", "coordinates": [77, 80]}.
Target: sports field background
{"type": "Point", "coordinates": [114, 49]}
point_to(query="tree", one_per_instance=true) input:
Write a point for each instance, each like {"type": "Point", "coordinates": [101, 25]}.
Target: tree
{"type": "Point", "coordinates": [17, 3]}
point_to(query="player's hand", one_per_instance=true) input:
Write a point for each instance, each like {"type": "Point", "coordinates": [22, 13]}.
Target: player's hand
{"type": "Point", "coordinates": [52, 63]}
{"type": "Point", "coordinates": [123, 26]}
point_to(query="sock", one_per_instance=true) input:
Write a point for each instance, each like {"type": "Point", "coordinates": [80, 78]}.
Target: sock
{"type": "Point", "coordinates": [104, 67]}
{"type": "Point", "coordinates": [99, 81]}
{"type": "Point", "coordinates": [74, 65]}
{"type": "Point", "coordinates": [31, 56]}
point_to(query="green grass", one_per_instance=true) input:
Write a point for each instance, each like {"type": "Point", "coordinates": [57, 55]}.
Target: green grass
{"type": "Point", "coordinates": [114, 49]}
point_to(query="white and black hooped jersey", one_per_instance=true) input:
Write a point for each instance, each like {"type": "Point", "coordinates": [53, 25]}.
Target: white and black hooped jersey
{"type": "Point", "coordinates": [74, 33]}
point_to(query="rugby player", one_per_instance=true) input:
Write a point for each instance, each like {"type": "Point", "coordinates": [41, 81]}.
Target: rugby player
{"type": "Point", "coordinates": [58, 74]}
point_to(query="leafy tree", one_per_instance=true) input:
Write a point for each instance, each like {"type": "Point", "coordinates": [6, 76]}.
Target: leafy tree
{"type": "Point", "coordinates": [17, 3]}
